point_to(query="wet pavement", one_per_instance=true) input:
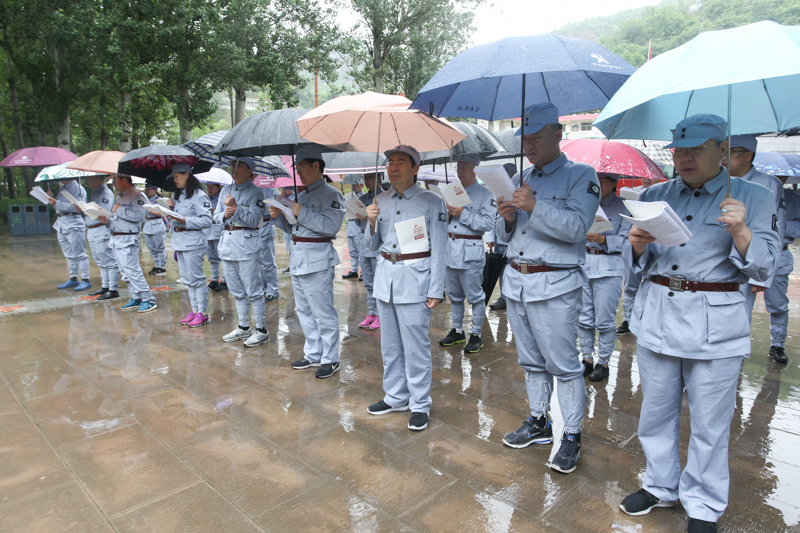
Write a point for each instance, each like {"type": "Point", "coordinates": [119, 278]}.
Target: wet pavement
{"type": "Point", "coordinates": [113, 421]}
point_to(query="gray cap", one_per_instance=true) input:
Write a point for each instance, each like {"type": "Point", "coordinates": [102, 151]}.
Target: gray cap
{"type": "Point", "coordinates": [249, 161]}
{"type": "Point", "coordinates": [180, 167]}
{"type": "Point", "coordinates": [404, 148]}
{"type": "Point", "coordinates": [469, 158]}
{"type": "Point", "coordinates": [748, 142]}
{"type": "Point", "coordinates": [537, 116]}
{"type": "Point", "coordinates": [697, 129]}
{"type": "Point", "coordinates": [308, 151]}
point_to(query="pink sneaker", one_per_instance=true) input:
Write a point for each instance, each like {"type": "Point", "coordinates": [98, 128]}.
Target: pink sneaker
{"type": "Point", "coordinates": [199, 320]}
{"type": "Point", "coordinates": [376, 324]}
{"type": "Point", "coordinates": [367, 322]}
{"type": "Point", "coordinates": [188, 318]}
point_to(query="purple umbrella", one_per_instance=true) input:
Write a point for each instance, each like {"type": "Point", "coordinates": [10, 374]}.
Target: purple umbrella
{"type": "Point", "coordinates": [38, 156]}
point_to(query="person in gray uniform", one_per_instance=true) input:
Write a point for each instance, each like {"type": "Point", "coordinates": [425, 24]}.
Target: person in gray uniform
{"type": "Point", "coordinates": [269, 270]}
{"type": "Point", "coordinates": [691, 324]}
{"type": "Point", "coordinates": [408, 286]}
{"type": "Point", "coordinates": [71, 231]}
{"type": "Point", "coordinates": [155, 234]}
{"type": "Point", "coordinates": [213, 235]}
{"type": "Point", "coordinates": [129, 212]}
{"type": "Point", "coordinates": [775, 297]}
{"type": "Point", "coordinates": [369, 257]}
{"type": "Point", "coordinates": [241, 209]}
{"type": "Point", "coordinates": [465, 256]}
{"type": "Point", "coordinates": [355, 236]}
{"type": "Point", "coordinates": [319, 211]}
{"type": "Point", "coordinates": [545, 224]}
{"type": "Point", "coordinates": [499, 246]}
{"type": "Point", "coordinates": [192, 204]}
{"type": "Point", "coordinates": [601, 290]}
{"type": "Point", "coordinates": [100, 241]}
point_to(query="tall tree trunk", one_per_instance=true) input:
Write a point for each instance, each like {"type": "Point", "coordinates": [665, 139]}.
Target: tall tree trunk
{"type": "Point", "coordinates": [241, 102]}
{"type": "Point", "coordinates": [12, 89]}
{"type": "Point", "coordinates": [125, 122]}
{"type": "Point", "coordinates": [377, 63]}
{"type": "Point", "coordinates": [62, 129]}
{"type": "Point", "coordinates": [10, 185]}
{"type": "Point", "coordinates": [103, 131]}
{"type": "Point", "coordinates": [183, 116]}
{"type": "Point", "coordinates": [230, 97]}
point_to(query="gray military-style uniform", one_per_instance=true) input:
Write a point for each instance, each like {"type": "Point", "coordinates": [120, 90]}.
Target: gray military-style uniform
{"type": "Point", "coordinates": [312, 268]}
{"type": "Point", "coordinates": [632, 280]}
{"type": "Point", "coordinates": [99, 238]}
{"type": "Point", "coordinates": [402, 291]}
{"type": "Point", "coordinates": [466, 257]}
{"type": "Point", "coordinates": [604, 268]}
{"type": "Point", "coordinates": [71, 230]}
{"type": "Point", "coordinates": [354, 233]}
{"type": "Point", "coordinates": [694, 340]}
{"type": "Point", "coordinates": [368, 258]}
{"type": "Point", "coordinates": [775, 297]}
{"type": "Point", "coordinates": [213, 234]}
{"type": "Point", "coordinates": [155, 235]}
{"type": "Point", "coordinates": [269, 270]}
{"type": "Point", "coordinates": [240, 250]}
{"type": "Point", "coordinates": [189, 241]}
{"type": "Point", "coordinates": [125, 226]}
{"type": "Point", "coordinates": [543, 307]}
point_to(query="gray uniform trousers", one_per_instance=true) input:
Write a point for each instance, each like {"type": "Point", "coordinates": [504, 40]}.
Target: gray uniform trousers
{"type": "Point", "coordinates": [103, 255]}
{"type": "Point", "coordinates": [213, 258]}
{"type": "Point", "coordinates": [543, 327]}
{"type": "Point", "coordinates": [313, 296]}
{"type": "Point", "coordinates": [600, 300]}
{"type": "Point", "coordinates": [269, 270]}
{"type": "Point", "coordinates": [466, 283]}
{"type": "Point", "coordinates": [711, 391]}
{"type": "Point", "coordinates": [353, 248]}
{"type": "Point", "coordinates": [777, 300]}
{"type": "Point", "coordinates": [156, 244]}
{"type": "Point", "coordinates": [190, 263]}
{"type": "Point", "coordinates": [73, 244]}
{"type": "Point", "coordinates": [632, 282]}
{"type": "Point", "coordinates": [244, 282]}
{"type": "Point", "coordinates": [406, 348]}
{"type": "Point", "coordinates": [368, 267]}
{"type": "Point", "coordinates": [126, 250]}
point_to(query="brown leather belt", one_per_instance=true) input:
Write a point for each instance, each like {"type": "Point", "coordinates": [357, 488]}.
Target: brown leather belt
{"type": "Point", "coordinates": [785, 247]}
{"type": "Point", "coordinates": [179, 230]}
{"type": "Point", "coordinates": [153, 218]}
{"type": "Point", "coordinates": [394, 258]}
{"type": "Point", "coordinates": [525, 268]}
{"type": "Point", "coordinates": [267, 219]}
{"type": "Point", "coordinates": [236, 228]}
{"type": "Point", "coordinates": [681, 285]}
{"type": "Point", "coordinates": [295, 238]}
{"type": "Point", "coordinates": [597, 251]}
{"type": "Point", "coordinates": [118, 233]}
{"type": "Point", "coordinates": [470, 237]}
{"type": "Point", "coordinates": [95, 226]}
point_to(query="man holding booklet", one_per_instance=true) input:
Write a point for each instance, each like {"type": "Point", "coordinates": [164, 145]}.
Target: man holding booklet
{"type": "Point", "coordinates": [467, 222]}
{"type": "Point", "coordinates": [100, 241]}
{"type": "Point", "coordinates": [71, 231]}
{"type": "Point", "coordinates": [408, 225]}
{"type": "Point", "coordinates": [691, 322]}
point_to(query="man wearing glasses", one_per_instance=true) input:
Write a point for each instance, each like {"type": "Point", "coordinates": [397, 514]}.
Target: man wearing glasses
{"type": "Point", "coordinates": [691, 323]}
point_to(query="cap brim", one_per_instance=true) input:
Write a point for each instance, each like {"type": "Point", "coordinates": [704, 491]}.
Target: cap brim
{"type": "Point", "coordinates": [687, 143]}
{"type": "Point", "coordinates": [389, 153]}
{"type": "Point", "coordinates": [529, 130]}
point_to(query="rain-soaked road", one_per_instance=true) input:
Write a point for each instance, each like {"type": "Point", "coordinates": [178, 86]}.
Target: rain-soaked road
{"type": "Point", "coordinates": [118, 421]}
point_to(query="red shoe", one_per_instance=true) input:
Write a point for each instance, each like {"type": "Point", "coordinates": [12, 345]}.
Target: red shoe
{"type": "Point", "coordinates": [367, 321]}
{"type": "Point", "coordinates": [188, 318]}
{"type": "Point", "coordinates": [199, 320]}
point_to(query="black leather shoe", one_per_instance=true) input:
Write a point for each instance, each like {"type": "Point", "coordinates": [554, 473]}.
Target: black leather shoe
{"type": "Point", "coordinates": [222, 286]}
{"type": "Point", "coordinates": [213, 284]}
{"type": "Point", "coordinates": [599, 373]}
{"type": "Point", "coordinates": [623, 329]}
{"type": "Point", "coordinates": [701, 526]}
{"type": "Point", "coordinates": [99, 292]}
{"type": "Point", "coordinates": [588, 366]}
{"type": "Point", "coordinates": [350, 275]}
{"type": "Point", "coordinates": [778, 355]}
{"type": "Point", "coordinates": [109, 295]}
{"type": "Point", "coordinates": [499, 304]}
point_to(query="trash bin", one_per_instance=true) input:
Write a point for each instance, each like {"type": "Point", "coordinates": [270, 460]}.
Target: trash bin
{"type": "Point", "coordinates": [43, 224]}
{"type": "Point", "coordinates": [16, 220]}
{"type": "Point", "coordinates": [29, 219]}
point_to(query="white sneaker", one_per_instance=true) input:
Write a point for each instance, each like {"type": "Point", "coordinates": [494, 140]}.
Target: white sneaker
{"type": "Point", "coordinates": [256, 339]}
{"type": "Point", "coordinates": [236, 335]}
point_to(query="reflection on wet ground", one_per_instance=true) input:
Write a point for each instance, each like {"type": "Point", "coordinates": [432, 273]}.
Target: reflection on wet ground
{"type": "Point", "coordinates": [113, 421]}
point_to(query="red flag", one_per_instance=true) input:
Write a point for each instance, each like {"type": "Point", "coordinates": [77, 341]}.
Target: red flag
{"type": "Point", "coordinates": [650, 50]}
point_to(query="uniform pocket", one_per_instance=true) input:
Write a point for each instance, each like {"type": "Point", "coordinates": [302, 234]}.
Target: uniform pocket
{"type": "Point", "coordinates": [714, 236]}
{"type": "Point", "coordinates": [726, 316]}
{"type": "Point", "coordinates": [251, 243]}
{"type": "Point", "coordinates": [641, 300]}
{"type": "Point", "coordinates": [473, 251]}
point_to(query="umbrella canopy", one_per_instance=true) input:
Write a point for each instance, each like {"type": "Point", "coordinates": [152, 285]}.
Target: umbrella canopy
{"type": "Point", "coordinates": [38, 156]}
{"type": "Point", "coordinates": [63, 173]}
{"type": "Point", "coordinates": [510, 142]}
{"type": "Point", "coordinates": [279, 183]}
{"type": "Point", "coordinates": [611, 158]}
{"type": "Point", "coordinates": [287, 162]}
{"type": "Point", "coordinates": [653, 149]}
{"type": "Point", "coordinates": [479, 141]}
{"type": "Point", "coordinates": [351, 162]}
{"type": "Point", "coordinates": [373, 121]}
{"type": "Point", "coordinates": [215, 175]}
{"type": "Point", "coordinates": [104, 161]}
{"type": "Point", "coordinates": [490, 81]}
{"type": "Point", "coordinates": [758, 65]}
{"type": "Point", "coordinates": [775, 164]}
{"type": "Point", "coordinates": [154, 164]}
{"type": "Point", "coordinates": [354, 179]}
{"type": "Point", "coordinates": [203, 148]}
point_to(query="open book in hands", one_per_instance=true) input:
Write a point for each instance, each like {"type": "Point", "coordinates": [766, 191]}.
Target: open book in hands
{"type": "Point", "coordinates": [659, 220]}
{"type": "Point", "coordinates": [158, 209]}
{"type": "Point", "coordinates": [601, 222]}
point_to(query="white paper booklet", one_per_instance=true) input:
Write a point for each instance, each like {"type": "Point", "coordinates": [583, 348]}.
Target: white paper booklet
{"type": "Point", "coordinates": [71, 199]}
{"type": "Point", "coordinates": [286, 210]}
{"type": "Point", "coordinates": [628, 194]}
{"type": "Point", "coordinates": [412, 236]}
{"type": "Point", "coordinates": [659, 220]}
{"type": "Point", "coordinates": [437, 190]}
{"type": "Point", "coordinates": [496, 179]}
{"type": "Point", "coordinates": [40, 195]}
{"type": "Point", "coordinates": [455, 195]}
{"type": "Point", "coordinates": [163, 211]}
{"type": "Point", "coordinates": [93, 210]}
{"type": "Point", "coordinates": [163, 202]}
{"type": "Point", "coordinates": [354, 206]}
{"type": "Point", "coordinates": [601, 222]}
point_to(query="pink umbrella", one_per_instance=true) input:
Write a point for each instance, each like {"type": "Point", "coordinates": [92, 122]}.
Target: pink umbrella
{"type": "Point", "coordinates": [287, 162]}
{"type": "Point", "coordinates": [38, 156]}
{"type": "Point", "coordinates": [611, 157]}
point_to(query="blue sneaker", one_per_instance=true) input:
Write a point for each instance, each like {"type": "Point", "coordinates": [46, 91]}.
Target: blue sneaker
{"type": "Point", "coordinates": [83, 285]}
{"type": "Point", "coordinates": [73, 282]}
{"type": "Point", "coordinates": [146, 307]}
{"type": "Point", "coordinates": [131, 305]}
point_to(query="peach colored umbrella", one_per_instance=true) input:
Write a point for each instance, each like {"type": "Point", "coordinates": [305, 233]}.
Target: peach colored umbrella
{"type": "Point", "coordinates": [104, 161]}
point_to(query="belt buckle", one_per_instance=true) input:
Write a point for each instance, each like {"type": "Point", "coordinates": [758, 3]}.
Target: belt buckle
{"type": "Point", "coordinates": [394, 257]}
{"type": "Point", "coordinates": [523, 267]}
{"type": "Point", "coordinates": [676, 284]}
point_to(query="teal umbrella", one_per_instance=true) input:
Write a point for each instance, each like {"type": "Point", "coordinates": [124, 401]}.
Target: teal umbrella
{"type": "Point", "coordinates": [62, 173]}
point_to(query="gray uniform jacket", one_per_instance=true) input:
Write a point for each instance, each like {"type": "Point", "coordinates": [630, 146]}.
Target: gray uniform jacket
{"type": "Point", "coordinates": [414, 283]}
{"type": "Point", "coordinates": [554, 234]}
{"type": "Point", "coordinates": [476, 219]}
{"type": "Point", "coordinates": [703, 324]}
{"type": "Point", "coordinates": [353, 228]}
{"type": "Point", "coordinates": [602, 266]}
{"type": "Point", "coordinates": [103, 197]}
{"type": "Point", "coordinates": [267, 227]}
{"type": "Point", "coordinates": [72, 219]}
{"type": "Point", "coordinates": [197, 211]}
{"type": "Point", "coordinates": [773, 184]}
{"type": "Point", "coordinates": [154, 224]}
{"type": "Point", "coordinates": [321, 217]}
{"type": "Point", "coordinates": [213, 232]}
{"type": "Point", "coordinates": [240, 245]}
{"type": "Point", "coordinates": [129, 215]}
{"type": "Point", "coordinates": [366, 251]}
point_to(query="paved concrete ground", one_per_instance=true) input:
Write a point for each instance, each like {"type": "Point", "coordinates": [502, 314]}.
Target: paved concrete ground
{"type": "Point", "coordinates": [114, 421]}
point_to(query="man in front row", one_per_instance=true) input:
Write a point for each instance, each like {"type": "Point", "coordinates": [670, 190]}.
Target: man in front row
{"type": "Point", "coordinates": [691, 321]}
{"type": "Point", "coordinates": [408, 285]}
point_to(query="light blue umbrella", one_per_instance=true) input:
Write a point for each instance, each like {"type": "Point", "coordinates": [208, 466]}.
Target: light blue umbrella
{"type": "Point", "coordinates": [777, 164]}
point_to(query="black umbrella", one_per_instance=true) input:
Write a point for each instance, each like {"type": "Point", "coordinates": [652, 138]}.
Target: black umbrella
{"type": "Point", "coordinates": [509, 142]}
{"type": "Point", "coordinates": [479, 141]}
{"type": "Point", "coordinates": [350, 162]}
{"type": "Point", "coordinates": [495, 263]}
{"type": "Point", "coordinates": [154, 164]}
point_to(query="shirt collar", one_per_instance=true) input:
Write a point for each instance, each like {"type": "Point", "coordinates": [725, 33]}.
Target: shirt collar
{"type": "Point", "coordinates": [711, 186]}
{"type": "Point", "coordinates": [316, 185]}
{"type": "Point", "coordinates": [408, 193]}
{"type": "Point", "coordinates": [555, 165]}
{"type": "Point", "coordinates": [243, 186]}
{"type": "Point", "coordinates": [471, 186]}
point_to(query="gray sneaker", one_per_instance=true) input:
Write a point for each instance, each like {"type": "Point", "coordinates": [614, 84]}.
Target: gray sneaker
{"type": "Point", "coordinates": [257, 338]}
{"type": "Point", "coordinates": [533, 431]}
{"type": "Point", "coordinates": [237, 335]}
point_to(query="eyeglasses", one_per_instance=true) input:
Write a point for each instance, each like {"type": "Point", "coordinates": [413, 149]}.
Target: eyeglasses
{"type": "Point", "coordinates": [299, 166]}
{"type": "Point", "coordinates": [695, 151]}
